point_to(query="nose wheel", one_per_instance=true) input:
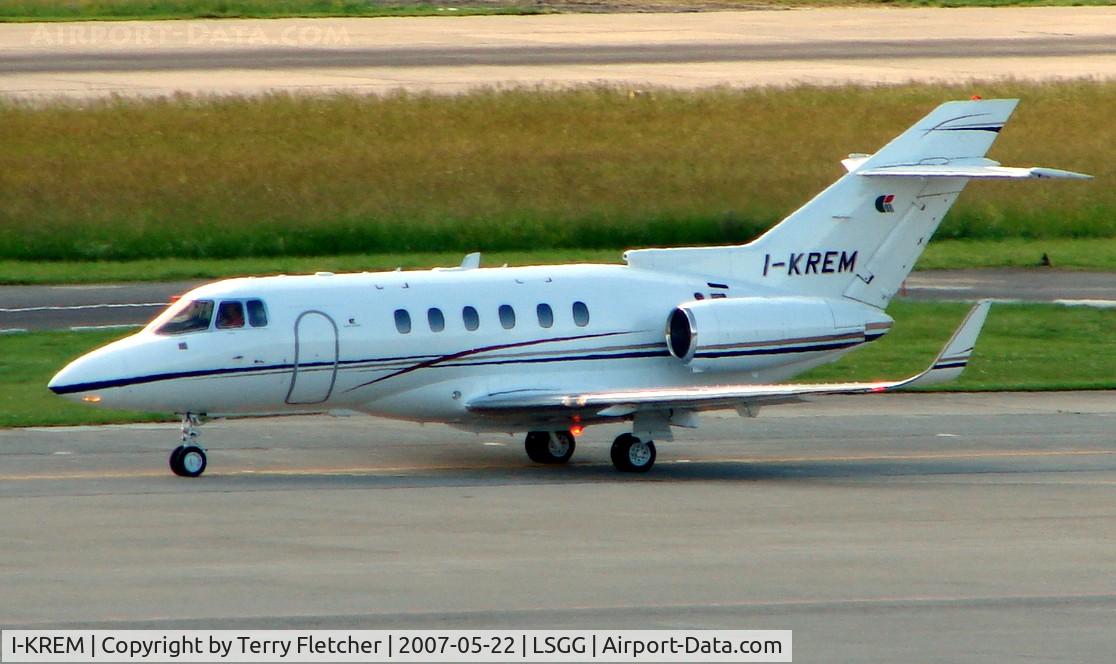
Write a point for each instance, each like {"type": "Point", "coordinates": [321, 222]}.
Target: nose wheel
{"type": "Point", "coordinates": [632, 455]}
{"type": "Point", "coordinates": [551, 447]}
{"type": "Point", "coordinates": [188, 459]}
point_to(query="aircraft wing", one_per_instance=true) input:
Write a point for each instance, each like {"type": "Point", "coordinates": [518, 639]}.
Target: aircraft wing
{"type": "Point", "coordinates": [948, 365]}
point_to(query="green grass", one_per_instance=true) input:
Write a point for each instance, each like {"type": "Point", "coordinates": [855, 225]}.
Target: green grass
{"type": "Point", "coordinates": [27, 362]}
{"type": "Point", "coordinates": [175, 269]}
{"type": "Point", "coordinates": [1064, 253]}
{"type": "Point", "coordinates": [117, 10]}
{"type": "Point", "coordinates": [71, 10]}
{"type": "Point", "coordinates": [1024, 347]}
{"type": "Point", "coordinates": [590, 168]}
{"type": "Point", "coordinates": [1084, 254]}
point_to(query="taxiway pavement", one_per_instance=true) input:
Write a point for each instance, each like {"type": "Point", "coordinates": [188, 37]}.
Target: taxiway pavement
{"type": "Point", "coordinates": [816, 46]}
{"type": "Point", "coordinates": [918, 527]}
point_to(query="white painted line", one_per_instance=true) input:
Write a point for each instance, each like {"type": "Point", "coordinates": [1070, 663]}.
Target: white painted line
{"type": "Point", "coordinates": [938, 287]}
{"type": "Point", "coordinates": [90, 286]}
{"type": "Point", "coordinates": [13, 330]}
{"type": "Point", "coordinates": [96, 428]}
{"type": "Point", "coordinates": [90, 328]}
{"type": "Point", "coordinates": [1099, 304]}
{"type": "Point", "coordinates": [78, 307]}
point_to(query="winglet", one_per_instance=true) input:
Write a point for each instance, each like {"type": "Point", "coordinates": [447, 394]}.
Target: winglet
{"type": "Point", "coordinates": [952, 360]}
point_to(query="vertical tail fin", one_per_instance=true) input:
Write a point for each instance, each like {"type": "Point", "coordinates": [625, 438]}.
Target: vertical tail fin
{"type": "Point", "coordinates": [861, 236]}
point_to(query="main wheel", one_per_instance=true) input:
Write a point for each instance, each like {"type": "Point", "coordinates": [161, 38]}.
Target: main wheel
{"type": "Point", "coordinates": [549, 446]}
{"type": "Point", "coordinates": [632, 455]}
{"type": "Point", "coordinates": [188, 461]}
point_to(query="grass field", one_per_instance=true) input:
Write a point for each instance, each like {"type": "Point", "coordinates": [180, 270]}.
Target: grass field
{"type": "Point", "coordinates": [27, 362]}
{"type": "Point", "coordinates": [175, 269]}
{"type": "Point", "coordinates": [1024, 347]}
{"type": "Point", "coordinates": [596, 168]}
{"type": "Point", "coordinates": [1066, 254]}
{"type": "Point", "coordinates": [70, 10]}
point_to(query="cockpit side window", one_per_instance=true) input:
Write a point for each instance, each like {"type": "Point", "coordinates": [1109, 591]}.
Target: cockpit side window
{"type": "Point", "coordinates": [193, 317]}
{"type": "Point", "coordinates": [230, 315]}
{"type": "Point", "coordinates": [257, 313]}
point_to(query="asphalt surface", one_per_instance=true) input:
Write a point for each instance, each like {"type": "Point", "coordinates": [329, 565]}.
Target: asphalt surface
{"type": "Point", "coordinates": [956, 528]}
{"type": "Point", "coordinates": [63, 307]}
{"type": "Point", "coordinates": [817, 46]}
{"type": "Point", "coordinates": [27, 308]}
{"type": "Point", "coordinates": [604, 54]}
{"type": "Point", "coordinates": [1026, 285]}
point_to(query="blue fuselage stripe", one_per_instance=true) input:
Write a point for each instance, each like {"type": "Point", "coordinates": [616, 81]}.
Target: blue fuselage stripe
{"type": "Point", "coordinates": [427, 363]}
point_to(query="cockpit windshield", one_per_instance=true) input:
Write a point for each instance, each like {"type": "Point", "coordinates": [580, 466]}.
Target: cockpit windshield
{"type": "Point", "coordinates": [194, 316]}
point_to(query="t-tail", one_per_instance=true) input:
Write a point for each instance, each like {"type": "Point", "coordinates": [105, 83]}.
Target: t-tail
{"type": "Point", "coordinates": [860, 237]}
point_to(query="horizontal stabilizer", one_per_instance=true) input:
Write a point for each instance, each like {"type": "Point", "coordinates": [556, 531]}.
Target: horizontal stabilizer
{"type": "Point", "coordinates": [976, 172]}
{"type": "Point", "coordinates": [621, 403]}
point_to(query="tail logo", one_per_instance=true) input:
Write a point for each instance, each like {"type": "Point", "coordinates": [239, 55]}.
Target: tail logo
{"type": "Point", "coordinates": [884, 203]}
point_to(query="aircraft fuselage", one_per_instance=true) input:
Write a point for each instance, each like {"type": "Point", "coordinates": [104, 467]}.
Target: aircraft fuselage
{"type": "Point", "coordinates": [419, 345]}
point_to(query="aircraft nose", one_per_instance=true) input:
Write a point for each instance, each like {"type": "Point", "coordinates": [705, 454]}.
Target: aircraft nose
{"type": "Point", "coordinates": [101, 369]}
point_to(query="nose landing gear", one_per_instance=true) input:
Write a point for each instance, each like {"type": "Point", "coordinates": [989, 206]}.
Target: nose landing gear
{"type": "Point", "coordinates": [188, 459]}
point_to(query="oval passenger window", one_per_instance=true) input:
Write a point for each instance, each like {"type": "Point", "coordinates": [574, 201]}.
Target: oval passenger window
{"type": "Point", "coordinates": [402, 321]}
{"type": "Point", "coordinates": [507, 316]}
{"type": "Point", "coordinates": [436, 319]}
{"type": "Point", "coordinates": [546, 315]}
{"type": "Point", "coordinates": [470, 318]}
{"type": "Point", "coordinates": [580, 314]}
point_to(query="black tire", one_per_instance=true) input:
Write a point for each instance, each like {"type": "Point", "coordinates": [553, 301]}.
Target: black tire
{"type": "Point", "coordinates": [188, 461]}
{"type": "Point", "coordinates": [176, 460]}
{"type": "Point", "coordinates": [549, 448]}
{"type": "Point", "coordinates": [632, 455]}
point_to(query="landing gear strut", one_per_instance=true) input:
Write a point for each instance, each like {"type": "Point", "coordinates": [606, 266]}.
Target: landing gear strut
{"type": "Point", "coordinates": [632, 455]}
{"type": "Point", "coordinates": [188, 459]}
{"type": "Point", "coordinates": [549, 446]}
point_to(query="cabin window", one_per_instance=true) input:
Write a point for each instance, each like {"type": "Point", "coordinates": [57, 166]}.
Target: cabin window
{"type": "Point", "coordinates": [436, 319]}
{"type": "Point", "coordinates": [257, 313]}
{"type": "Point", "coordinates": [402, 321]}
{"type": "Point", "coordinates": [546, 315]}
{"type": "Point", "coordinates": [507, 316]}
{"type": "Point", "coordinates": [230, 315]}
{"type": "Point", "coordinates": [470, 317]}
{"type": "Point", "coordinates": [193, 317]}
{"type": "Point", "coordinates": [580, 314]}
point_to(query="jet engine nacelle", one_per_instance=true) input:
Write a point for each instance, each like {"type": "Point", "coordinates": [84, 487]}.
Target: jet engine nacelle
{"type": "Point", "coordinates": [746, 333]}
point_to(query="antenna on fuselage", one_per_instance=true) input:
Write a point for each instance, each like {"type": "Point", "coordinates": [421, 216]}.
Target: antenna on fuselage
{"type": "Point", "coordinates": [471, 261]}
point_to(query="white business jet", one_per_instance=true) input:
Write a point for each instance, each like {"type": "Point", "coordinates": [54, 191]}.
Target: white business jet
{"type": "Point", "coordinates": [551, 349]}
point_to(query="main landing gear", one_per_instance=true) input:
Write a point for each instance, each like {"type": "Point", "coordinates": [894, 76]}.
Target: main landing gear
{"type": "Point", "coordinates": [629, 453]}
{"type": "Point", "coordinates": [550, 447]}
{"type": "Point", "coordinates": [188, 459]}
{"type": "Point", "coordinates": [632, 455]}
